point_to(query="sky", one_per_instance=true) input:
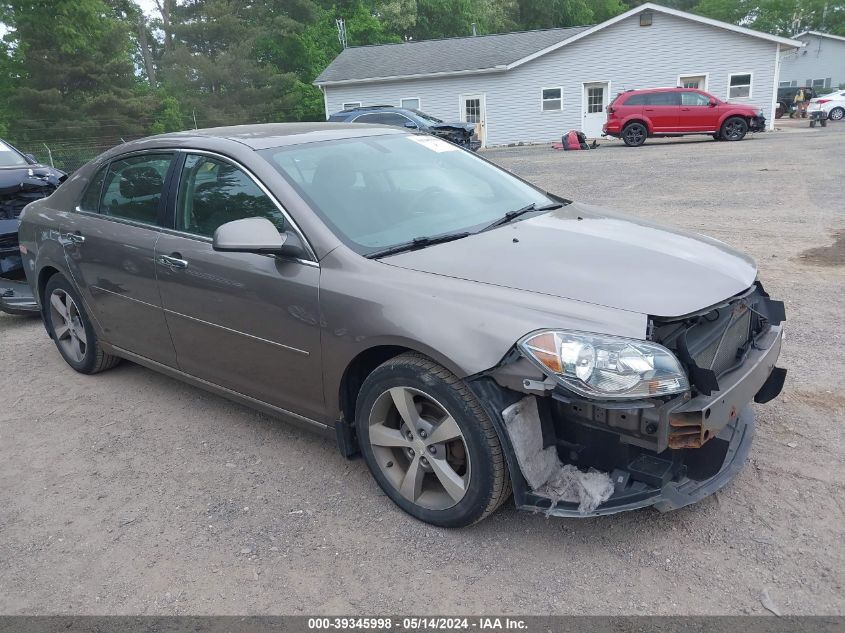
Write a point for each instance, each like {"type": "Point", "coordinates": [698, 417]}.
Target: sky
{"type": "Point", "coordinates": [148, 6]}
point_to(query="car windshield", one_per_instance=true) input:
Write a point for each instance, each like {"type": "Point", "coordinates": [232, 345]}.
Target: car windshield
{"type": "Point", "coordinates": [381, 191]}
{"type": "Point", "coordinates": [10, 158]}
{"type": "Point", "coordinates": [427, 117]}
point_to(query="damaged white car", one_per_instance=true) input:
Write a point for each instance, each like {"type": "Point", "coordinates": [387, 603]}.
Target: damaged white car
{"type": "Point", "coordinates": [467, 332]}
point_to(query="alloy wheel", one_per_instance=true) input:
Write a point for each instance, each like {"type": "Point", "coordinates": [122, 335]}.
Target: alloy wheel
{"type": "Point", "coordinates": [68, 327]}
{"type": "Point", "coordinates": [419, 448]}
{"type": "Point", "coordinates": [836, 114]}
{"type": "Point", "coordinates": [634, 134]}
{"type": "Point", "coordinates": [733, 130]}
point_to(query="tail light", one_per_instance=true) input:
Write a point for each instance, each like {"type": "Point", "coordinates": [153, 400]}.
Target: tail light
{"type": "Point", "coordinates": [820, 101]}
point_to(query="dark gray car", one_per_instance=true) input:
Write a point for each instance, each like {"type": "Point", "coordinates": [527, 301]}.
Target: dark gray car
{"type": "Point", "coordinates": [467, 332]}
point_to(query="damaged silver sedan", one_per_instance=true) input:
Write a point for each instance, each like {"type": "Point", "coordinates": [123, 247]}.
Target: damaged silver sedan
{"type": "Point", "coordinates": [469, 334]}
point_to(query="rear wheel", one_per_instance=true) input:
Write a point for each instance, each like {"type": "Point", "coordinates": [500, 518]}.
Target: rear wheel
{"type": "Point", "coordinates": [634, 134]}
{"type": "Point", "coordinates": [429, 444]}
{"type": "Point", "coordinates": [836, 114]}
{"type": "Point", "coordinates": [734, 129]}
{"type": "Point", "coordinates": [71, 329]}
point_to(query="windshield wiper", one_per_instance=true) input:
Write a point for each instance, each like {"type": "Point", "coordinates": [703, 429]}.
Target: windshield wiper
{"type": "Point", "coordinates": [528, 208]}
{"type": "Point", "coordinates": [417, 242]}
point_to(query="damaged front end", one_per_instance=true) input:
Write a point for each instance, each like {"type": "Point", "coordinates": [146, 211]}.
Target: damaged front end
{"type": "Point", "coordinates": [462, 134]}
{"type": "Point", "coordinates": [19, 185]}
{"type": "Point", "coordinates": [573, 455]}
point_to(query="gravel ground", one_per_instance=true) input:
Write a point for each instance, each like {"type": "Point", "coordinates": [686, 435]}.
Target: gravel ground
{"type": "Point", "coordinates": [129, 493]}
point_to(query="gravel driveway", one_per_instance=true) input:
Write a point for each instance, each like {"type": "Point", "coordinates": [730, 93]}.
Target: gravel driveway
{"type": "Point", "coordinates": [131, 493]}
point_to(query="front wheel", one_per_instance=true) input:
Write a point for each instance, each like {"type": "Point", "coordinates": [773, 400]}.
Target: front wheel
{"type": "Point", "coordinates": [634, 134]}
{"type": "Point", "coordinates": [429, 444]}
{"type": "Point", "coordinates": [836, 114]}
{"type": "Point", "coordinates": [734, 129]}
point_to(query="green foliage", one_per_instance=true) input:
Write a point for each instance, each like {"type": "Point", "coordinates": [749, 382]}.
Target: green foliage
{"type": "Point", "coordinates": [86, 73]}
{"type": "Point", "coordinates": [781, 17]}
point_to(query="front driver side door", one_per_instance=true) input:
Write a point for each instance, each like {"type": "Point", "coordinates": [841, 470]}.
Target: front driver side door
{"type": "Point", "coordinates": [696, 114]}
{"type": "Point", "coordinates": [242, 321]}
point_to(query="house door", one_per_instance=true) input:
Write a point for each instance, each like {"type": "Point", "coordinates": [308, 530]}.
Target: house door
{"type": "Point", "coordinates": [474, 110]}
{"type": "Point", "coordinates": [595, 106]}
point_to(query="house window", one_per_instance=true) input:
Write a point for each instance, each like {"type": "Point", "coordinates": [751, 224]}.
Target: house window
{"type": "Point", "coordinates": [783, 84]}
{"type": "Point", "coordinates": [820, 83]}
{"type": "Point", "coordinates": [739, 86]}
{"type": "Point", "coordinates": [595, 100]}
{"type": "Point", "coordinates": [552, 99]}
{"type": "Point", "coordinates": [351, 104]}
{"type": "Point", "coordinates": [699, 82]}
{"type": "Point", "coordinates": [410, 103]}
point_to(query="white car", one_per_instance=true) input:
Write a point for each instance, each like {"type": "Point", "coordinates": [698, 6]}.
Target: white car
{"type": "Point", "coordinates": [833, 104]}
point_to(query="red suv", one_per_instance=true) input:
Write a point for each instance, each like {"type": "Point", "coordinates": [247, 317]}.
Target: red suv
{"type": "Point", "coordinates": [637, 114]}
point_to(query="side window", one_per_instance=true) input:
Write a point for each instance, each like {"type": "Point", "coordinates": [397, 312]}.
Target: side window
{"type": "Point", "coordinates": [385, 118]}
{"type": "Point", "coordinates": [694, 99]}
{"type": "Point", "coordinates": [133, 187]}
{"type": "Point", "coordinates": [664, 99]}
{"type": "Point", "coordinates": [636, 100]}
{"type": "Point", "coordinates": [213, 192]}
{"type": "Point", "coordinates": [91, 198]}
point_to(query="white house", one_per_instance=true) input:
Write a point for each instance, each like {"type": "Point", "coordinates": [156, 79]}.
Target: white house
{"type": "Point", "coordinates": [533, 86]}
{"type": "Point", "coordinates": [820, 63]}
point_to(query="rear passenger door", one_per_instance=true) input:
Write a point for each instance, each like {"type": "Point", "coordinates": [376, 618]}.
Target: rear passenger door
{"type": "Point", "coordinates": [663, 109]}
{"type": "Point", "coordinates": [109, 243]}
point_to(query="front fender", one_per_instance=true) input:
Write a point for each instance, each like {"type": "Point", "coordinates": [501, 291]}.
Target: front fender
{"type": "Point", "coordinates": [468, 327]}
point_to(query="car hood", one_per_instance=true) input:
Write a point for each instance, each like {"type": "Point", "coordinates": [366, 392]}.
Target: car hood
{"type": "Point", "coordinates": [586, 254]}
{"type": "Point", "coordinates": [453, 125]}
{"type": "Point", "coordinates": [13, 179]}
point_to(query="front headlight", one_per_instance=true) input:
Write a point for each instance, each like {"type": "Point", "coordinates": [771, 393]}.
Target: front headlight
{"type": "Point", "coordinates": [605, 367]}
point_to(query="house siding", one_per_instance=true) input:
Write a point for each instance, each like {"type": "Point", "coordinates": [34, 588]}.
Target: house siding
{"type": "Point", "coordinates": [625, 54]}
{"type": "Point", "coordinates": [823, 57]}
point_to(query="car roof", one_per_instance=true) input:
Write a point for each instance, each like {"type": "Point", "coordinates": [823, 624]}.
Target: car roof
{"type": "Point", "coordinates": [664, 89]}
{"type": "Point", "coordinates": [260, 135]}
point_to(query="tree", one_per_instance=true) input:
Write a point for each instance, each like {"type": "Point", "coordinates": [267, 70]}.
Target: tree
{"type": "Point", "coordinates": [74, 73]}
{"type": "Point", "coordinates": [781, 17]}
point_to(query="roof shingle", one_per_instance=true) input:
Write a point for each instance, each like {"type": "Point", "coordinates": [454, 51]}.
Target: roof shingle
{"type": "Point", "coordinates": [441, 56]}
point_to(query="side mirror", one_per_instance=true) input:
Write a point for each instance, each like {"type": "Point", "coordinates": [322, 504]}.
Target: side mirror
{"type": "Point", "coordinates": [713, 102]}
{"type": "Point", "coordinates": [411, 125]}
{"type": "Point", "coordinates": [31, 158]}
{"type": "Point", "coordinates": [250, 235]}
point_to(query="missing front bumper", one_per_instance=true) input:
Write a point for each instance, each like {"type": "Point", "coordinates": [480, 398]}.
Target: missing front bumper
{"type": "Point", "coordinates": [632, 445]}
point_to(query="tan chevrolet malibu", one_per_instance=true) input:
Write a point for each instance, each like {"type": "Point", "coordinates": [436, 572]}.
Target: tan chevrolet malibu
{"type": "Point", "coordinates": [469, 334]}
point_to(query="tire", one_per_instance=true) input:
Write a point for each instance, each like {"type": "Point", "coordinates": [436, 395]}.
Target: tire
{"type": "Point", "coordinates": [813, 123]}
{"type": "Point", "coordinates": [634, 134]}
{"type": "Point", "coordinates": [824, 122]}
{"type": "Point", "coordinates": [71, 330]}
{"type": "Point", "coordinates": [717, 137]}
{"type": "Point", "coordinates": [452, 483]}
{"type": "Point", "coordinates": [779, 110]}
{"type": "Point", "coordinates": [734, 129]}
{"type": "Point", "coordinates": [836, 114]}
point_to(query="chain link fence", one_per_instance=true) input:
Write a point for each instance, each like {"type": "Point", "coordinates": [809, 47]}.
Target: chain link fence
{"type": "Point", "coordinates": [68, 155]}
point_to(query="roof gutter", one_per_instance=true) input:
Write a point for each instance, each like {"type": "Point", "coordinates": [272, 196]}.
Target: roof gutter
{"type": "Point", "coordinates": [450, 73]}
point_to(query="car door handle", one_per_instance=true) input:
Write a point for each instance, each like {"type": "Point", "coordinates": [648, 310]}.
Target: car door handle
{"type": "Point", "coordinates": [174, 263]}
{"type": "Point", "coordinates": [75, 238]}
